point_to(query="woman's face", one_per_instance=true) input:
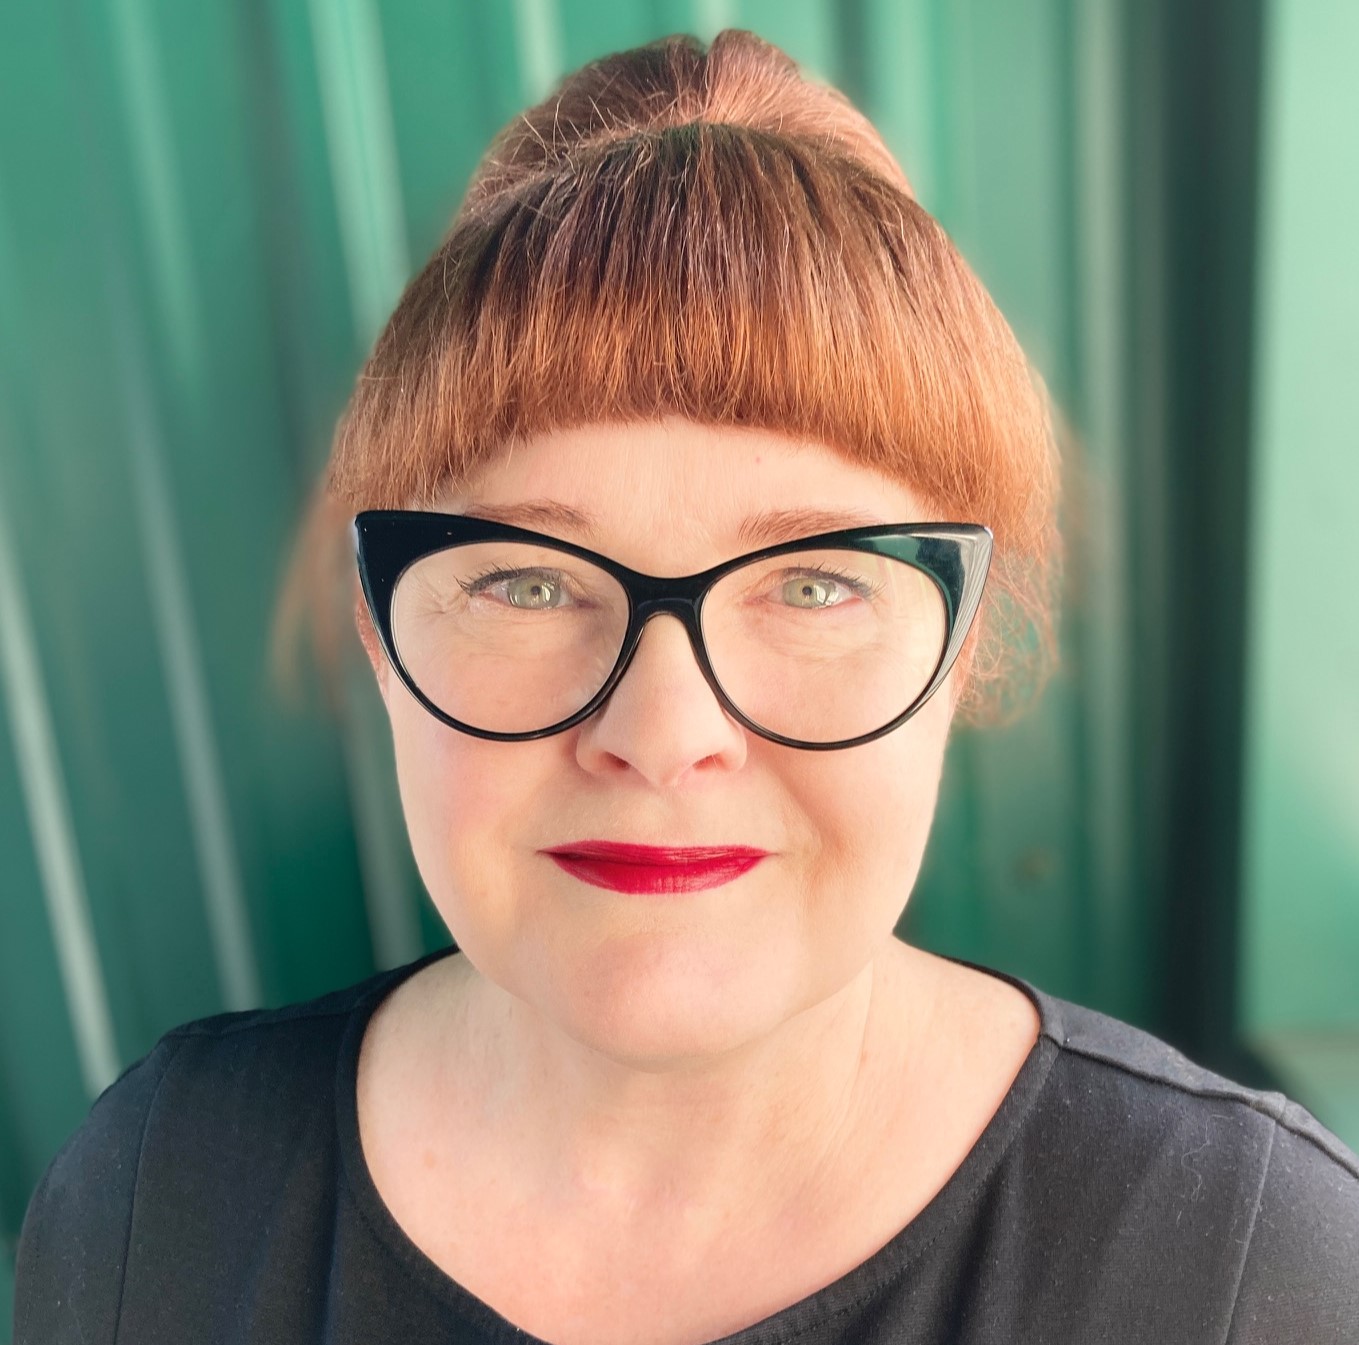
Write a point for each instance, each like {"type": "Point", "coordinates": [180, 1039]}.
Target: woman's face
{"type": "Point", "coordinates": [646, 979]}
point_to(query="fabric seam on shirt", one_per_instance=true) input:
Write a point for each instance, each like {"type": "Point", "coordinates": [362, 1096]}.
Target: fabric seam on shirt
{"type": "Point", "coordinates": [221, 1025]}
{"type": "Point", "coordinates": [1247, 1098]}
{"type": "Point", "coordinates": [30, 1247]}
{"type": "Point", "coordinates": [1250, 1233]}
{"type": "Point", "coordinates": [136, 1182]}
{"type": "Point", "coordinates": [202, 1029]}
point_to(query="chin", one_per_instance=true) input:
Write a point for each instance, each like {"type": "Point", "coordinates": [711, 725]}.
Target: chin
{"type": "Point", "coordinates": [652, 1005]}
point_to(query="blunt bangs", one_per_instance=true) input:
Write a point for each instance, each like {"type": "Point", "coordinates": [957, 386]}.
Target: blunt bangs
{"type": "Point", "coordinates": [707, 271]}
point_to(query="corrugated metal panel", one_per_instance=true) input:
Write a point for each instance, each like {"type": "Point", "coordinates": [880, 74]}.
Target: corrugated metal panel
{"type": "Point", "coordinates": [1300, 988]}
{"type": "Point", "coordinates": [166, 819]}
{"type": "Point", "coordinates": [205, 214]}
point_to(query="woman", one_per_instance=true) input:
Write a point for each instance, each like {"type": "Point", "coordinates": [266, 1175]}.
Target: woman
{"type": "Point", "coordinates": [689, 351]}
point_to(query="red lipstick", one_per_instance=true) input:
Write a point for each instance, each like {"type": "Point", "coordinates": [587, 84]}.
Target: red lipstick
{"type": "Point", "coordinates": [649, 868]}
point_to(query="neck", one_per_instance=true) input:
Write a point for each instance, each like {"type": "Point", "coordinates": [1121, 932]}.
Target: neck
{"type": "Point", "coordinates": [761, 1127]}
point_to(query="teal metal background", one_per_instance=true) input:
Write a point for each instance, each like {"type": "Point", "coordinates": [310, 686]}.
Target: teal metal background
{"type": "Point", "coordinates": [1299, 1000]}
{"type": "Point", "coordinates": [208, 210]}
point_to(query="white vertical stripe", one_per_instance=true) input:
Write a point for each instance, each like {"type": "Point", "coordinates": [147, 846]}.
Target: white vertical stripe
{"type": "Point", "coordinates": [182, 315]}
{"type": "Point", "coordinates": [538, 44]}
{"type": "Point", "coordinates": [361, 141]}
{"type": "Point", "coordinates": [712, 16]}
{"type": "Point", "coordinates": [40, 775]}
{"type": "Point", "coordinates": [1101, 210]}
{"type": "Point", "coordinates": [149, 122]}
{"type": "Point", "coordinates": [49, 819]}
{"type": "Point", "coordinates": [182, 663]}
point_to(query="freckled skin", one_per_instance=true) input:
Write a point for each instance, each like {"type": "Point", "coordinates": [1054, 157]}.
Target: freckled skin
{"type": "Point", "coordinates": [660, 982]}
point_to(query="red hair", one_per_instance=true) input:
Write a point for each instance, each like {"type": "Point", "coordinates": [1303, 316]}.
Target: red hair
{"type": "Point", "coordinates": [708, 234]}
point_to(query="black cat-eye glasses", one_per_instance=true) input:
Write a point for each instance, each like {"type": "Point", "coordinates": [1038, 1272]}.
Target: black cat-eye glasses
{"type": "Point", "coordinates": [820, 643]}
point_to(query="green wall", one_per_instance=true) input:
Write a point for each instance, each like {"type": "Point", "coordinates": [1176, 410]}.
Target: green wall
{"type": "Point", "coordinates": [1300, 989]}
{"type": "Point", "coordinates": [206, 212]}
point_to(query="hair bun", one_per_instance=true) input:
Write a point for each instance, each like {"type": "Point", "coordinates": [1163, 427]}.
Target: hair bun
{"type": "Point", "coordinates": [739, 79]}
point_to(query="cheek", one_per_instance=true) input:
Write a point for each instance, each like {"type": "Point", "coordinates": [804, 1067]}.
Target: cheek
{"type": "Point", "coordinates": [464, 800]}
{"type": "Point", "coordinates": [876, 804]}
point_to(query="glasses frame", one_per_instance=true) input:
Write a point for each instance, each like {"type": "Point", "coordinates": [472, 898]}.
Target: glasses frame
{"type": "Point", "coordinates": [956, 556]}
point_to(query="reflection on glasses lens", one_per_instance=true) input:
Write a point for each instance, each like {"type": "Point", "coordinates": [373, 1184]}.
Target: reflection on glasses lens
{"type": "Point", "coordinates": [819, 645]}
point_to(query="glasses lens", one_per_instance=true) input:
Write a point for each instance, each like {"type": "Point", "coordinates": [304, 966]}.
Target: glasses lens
{"type": "Point", "coordinates": [506, 636]}
{"type": "Point", "coordinates": [824, 645]}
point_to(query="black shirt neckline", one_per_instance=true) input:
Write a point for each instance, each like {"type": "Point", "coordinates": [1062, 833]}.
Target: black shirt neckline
{"type": "Point", "coordinates": [892, 1260]}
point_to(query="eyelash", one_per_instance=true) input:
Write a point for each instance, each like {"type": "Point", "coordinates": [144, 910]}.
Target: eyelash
{"type": "Point", "coordinates": [478, 582]}
{"type": "Point", "coordinates": [858, 587]}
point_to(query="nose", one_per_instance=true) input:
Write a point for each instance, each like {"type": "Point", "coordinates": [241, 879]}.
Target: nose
{"type": "Point", "coordinates": [662, 718]}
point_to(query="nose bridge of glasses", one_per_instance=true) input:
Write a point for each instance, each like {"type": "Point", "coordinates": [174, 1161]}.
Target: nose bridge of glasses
{"type": "Point", "coordinates": [681, 607]}
{"type": "Point", "coordinates": [684, 610]}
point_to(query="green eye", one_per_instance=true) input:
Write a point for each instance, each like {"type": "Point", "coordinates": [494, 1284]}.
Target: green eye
{"type": "Point", "coordinates": [528, 590]}
{"type": "Point", "coordinates": [532, 591]}
{"type": "Point", "coordinates": [810, 591]}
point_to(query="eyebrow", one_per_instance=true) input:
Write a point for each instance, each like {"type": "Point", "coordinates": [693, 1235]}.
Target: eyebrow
{"type": "Point", "coordinates": [765, 528]}
{"type": "Point", "coordinates": [540, 516]}
{"type": "Point", "coordinates": [780, 525]}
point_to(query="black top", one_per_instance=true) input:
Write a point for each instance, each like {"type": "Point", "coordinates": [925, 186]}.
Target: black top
{"type": "Point", "coordinates": [218, 1193]}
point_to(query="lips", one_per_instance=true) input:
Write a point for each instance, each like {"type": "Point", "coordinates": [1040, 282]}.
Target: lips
{"type": "Point", "coordinates": [657, 869]}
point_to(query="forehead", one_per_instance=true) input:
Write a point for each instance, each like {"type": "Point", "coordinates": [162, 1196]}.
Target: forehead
{"type": "Point", "coordinates": [678, 485]}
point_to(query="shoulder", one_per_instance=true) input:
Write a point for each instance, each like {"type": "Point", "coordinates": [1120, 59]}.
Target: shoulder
{"type": "Point", "coordinates": [69, 1262]}
{"type": "Point", "coordinates": [1300, 1278]}
{"type": "Point", "coordinates": [1237, 1192]}
{"type": "Point", "coordinates": [1163, 1091]}
{"type": "Point", "coordinates": [235, 1098]}
{"type": "Point", "coordinates": [1113, 1057]}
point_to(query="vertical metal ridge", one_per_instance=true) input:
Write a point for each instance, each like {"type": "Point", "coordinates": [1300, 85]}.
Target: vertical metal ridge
{"type": "Point", "coordinates": [43, 786]}
{"type": "Point", "coordinates": [140, 88]}
{"type": "Point", "coordinates": [712, 16]}
{"type": "Point", "coordinates": [1099, 356]}
{"type": "Point", "coordinates": [361, 141]}
{"type": "Point", "coordinates": [180, 651]}
{"type": "Point", "coordinates": [54, 841]}
{"type": "Point", "coordinates": [538, 46]}
{"type": "Point", "coordinates": [182, 660]}
{"type": "Point", "coordinates": [361, 144]}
